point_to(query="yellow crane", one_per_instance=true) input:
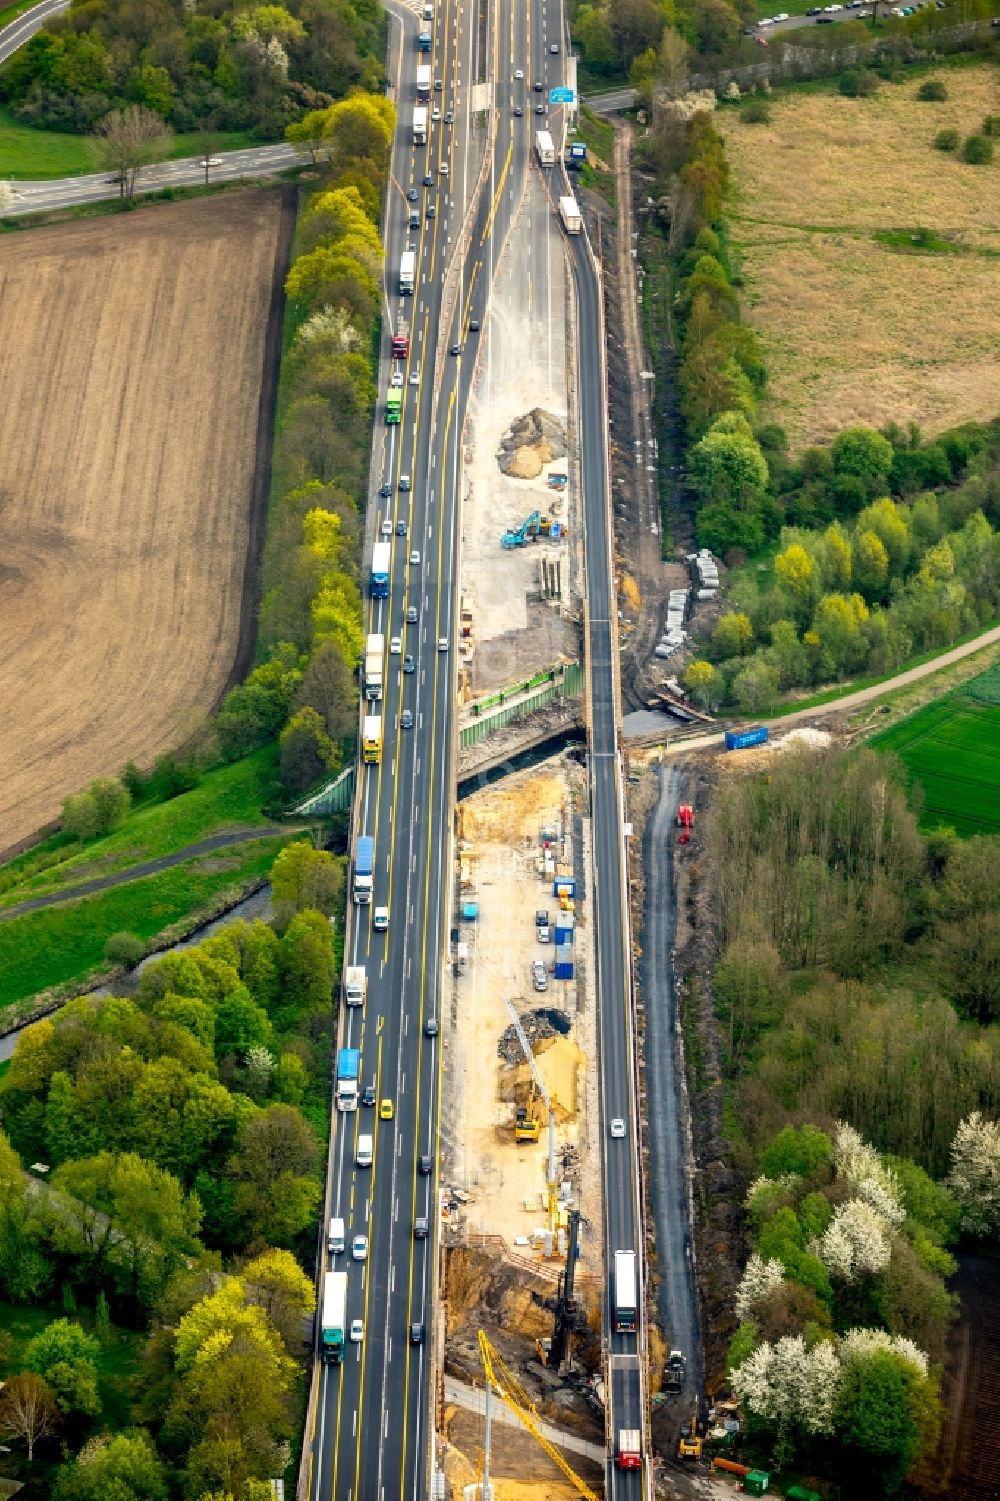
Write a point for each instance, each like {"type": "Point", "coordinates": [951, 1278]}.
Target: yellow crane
{"type": "Point", "coordinates": [501, 1380]}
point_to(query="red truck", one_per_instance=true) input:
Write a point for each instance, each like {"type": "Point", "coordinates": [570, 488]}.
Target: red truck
{"type": "Point", "coordinates": [628, 1455]}
{"type": "Point", "coordinates": [685, 822]}
{"type": "Point", "coordinates": [400, 345]}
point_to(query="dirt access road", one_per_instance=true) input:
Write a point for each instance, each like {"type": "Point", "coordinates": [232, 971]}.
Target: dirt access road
{"type": "Point", "coordinates": [137, 364]}
{"type": "Point", "coordinates": [849, 700]}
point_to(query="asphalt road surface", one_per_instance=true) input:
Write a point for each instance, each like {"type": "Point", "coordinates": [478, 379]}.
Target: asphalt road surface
{"type": "Point", "coordinates": [97, 187]}
{"type": "Point", "coordinates": [17, 32]}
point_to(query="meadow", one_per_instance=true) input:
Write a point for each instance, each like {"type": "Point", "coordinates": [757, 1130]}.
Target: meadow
{"type": "Point", "coordinates": [950, 748]}
{"type": "Point", "coordinates": [860, 322]}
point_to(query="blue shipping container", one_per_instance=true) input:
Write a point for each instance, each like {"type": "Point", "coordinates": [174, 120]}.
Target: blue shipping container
{"type": "Point", "coordinates": [740, 739]}
{"type": "Point", "coordinates": [564, 969]}
{"type": "Point", "coordinates": [564, 886]}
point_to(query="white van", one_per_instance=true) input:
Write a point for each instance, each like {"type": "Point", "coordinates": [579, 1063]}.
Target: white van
{"type": "Point", "coordinates": [428, 12]}
{"type": "Point", "coordinates": [364, 1152]}
{"type": "Point", "coordinates": [335, 1239]}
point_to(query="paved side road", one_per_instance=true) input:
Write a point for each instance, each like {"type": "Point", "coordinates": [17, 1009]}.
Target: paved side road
{"type": "Point", "coordinates": [474, 1399]}
{"type": "Point", "coordinates": [148, 868]}
{"type": "Point", "coordinates": [850, 700]}
{"type": "Point", "coordinates": [25, 25]}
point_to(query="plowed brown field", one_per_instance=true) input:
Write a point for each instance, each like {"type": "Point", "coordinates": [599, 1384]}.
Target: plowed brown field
{"type": "Point", "coordinates": [137, 365]}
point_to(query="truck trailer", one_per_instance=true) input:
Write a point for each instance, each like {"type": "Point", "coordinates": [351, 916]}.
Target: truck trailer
{"type": "Point", "coordinates": [375, 648]}
{"type": "Point", "coordinates": [364, 870]}
{"type": "Point", "coordinates": [420, 125]}
{"type": "Point", "coordinates": [348, 1069]}
{"type": "Point", "coordinates": [371, 739]}
{"type": "Point", "coordinates": [333, 1326]}
{"type": "Point", "coordinates": [569, 213]}
{"type": "Point", "coordinates": [381, 554]}
{"type": "Point", "coordinates": [355, 984]}
{"type": "Point", "coordinates": [626, 1304]}
{"type": "Point", "coordinates": [544, 149]}
{"type": "Point", "coordinates": [628, 1454]}
{"type": "Point", "coordinates": [407, 273]}
{"type": "Point", "coordinates": [424, 81]}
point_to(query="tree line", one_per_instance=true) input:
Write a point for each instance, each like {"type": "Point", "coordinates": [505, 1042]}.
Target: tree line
{"type": "Point", "coordinates": [856, 992]}
{"type": "Point", "coordinates": [304, 690]}
{"type": "Point", "coordinates": [217, 68]}
{"type": "Point", "coordinates": [886, 579]}
{"type": "Point", "coordinates": [182, 1127]}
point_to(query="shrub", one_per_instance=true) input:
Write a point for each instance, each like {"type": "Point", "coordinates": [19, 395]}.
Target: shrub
{"type": "Point", "coordinates": [991, 126]}
{"type": "Point", "coordinates": [755, 112]}
{"type": "Point", "coordinates": [933, 90]}
{"type": "Point", "coordinates": [124, 948]}
{"type": "Point", "coordinates": [947, 140]}
{"type": "Point", "coordinates": [858, 83]}
{"type": "Point", "coordinates": [978, 151]}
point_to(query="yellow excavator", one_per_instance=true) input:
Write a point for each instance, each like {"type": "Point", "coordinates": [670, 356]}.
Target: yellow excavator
{"type": "Point", "coordinates": [527, 1126]}
{"type": "Point", "coordinates": [689, 1443]}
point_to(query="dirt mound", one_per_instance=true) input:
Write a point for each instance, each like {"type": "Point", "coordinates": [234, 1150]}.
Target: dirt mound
{"type": "Point", "coordinates": [530, 443]}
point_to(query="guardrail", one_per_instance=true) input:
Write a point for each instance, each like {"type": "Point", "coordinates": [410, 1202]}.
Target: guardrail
{"type": "Point", "coordinates": [501, 709]}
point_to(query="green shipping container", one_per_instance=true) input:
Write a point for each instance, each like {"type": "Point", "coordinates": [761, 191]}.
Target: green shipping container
{"type": "Point", "coordinates": [756, 1483]}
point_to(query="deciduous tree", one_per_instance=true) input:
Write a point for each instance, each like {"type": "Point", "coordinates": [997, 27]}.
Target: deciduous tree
{"type": "Point", "coordinates": [28, 1410]}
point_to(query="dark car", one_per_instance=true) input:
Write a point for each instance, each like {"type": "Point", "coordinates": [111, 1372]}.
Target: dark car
{"type": "Point", "coordinates": [420, 1228]}
{"type": "Point", "coordinates": [473, 325]}
{"type": "Point", "coordinates": [425, 1166]}
{"type": "Point", "coordinates": [368, 1095]}
{"type": "Point", "coordinates": [438, 85]}
{"type": "Point", "coordinates": [538, 85]}
{"type": "Point", "coordinates": [401, 528]}
{"type": "Point", "coordinates": [408, 663]}
{"type": "Point", "coordinates": [518, 111]}
{"type": "Point", "coordinates": [416, 1334]}
{"type": "Point", "coordinates": [428, 180]}
{"type": "Point", "coordinates": [385, 490]}
{"type": "Point", "coordinates": [449, 117]}
{"type": "Point", "coordinates": [431, 211]}
{"type": "Point", "coordinates": [414, 221]}
{"type": "Point", "coordinates": [406, 719]}
{"type": "Point", "coordinates": [431, 1027]}
{"type": "Point", "coordinates": [456, 349]}
{"type": "Point", "coordinates": [413, 195]}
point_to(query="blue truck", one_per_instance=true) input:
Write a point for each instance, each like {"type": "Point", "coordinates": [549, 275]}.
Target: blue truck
{"type": "Point", "coordinates": [348, 1070]}
{"type": "Point", "coordinates": [742, 739]}
{"type": "Point", "coordinates": [364, 869]}
{"type": "Point", "coordinates": [424, 41]}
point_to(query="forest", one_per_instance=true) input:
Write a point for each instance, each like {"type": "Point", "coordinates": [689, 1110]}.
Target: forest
{"type": "Point", "coordinates": [856, 990]}
{"type": "Point", "coordinates": [176, 1141]}
{"type": "Point", "coordinates": [218, 67]}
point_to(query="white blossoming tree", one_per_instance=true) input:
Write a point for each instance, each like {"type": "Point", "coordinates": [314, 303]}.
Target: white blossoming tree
{"type": "Point", "coordinates": [760, 1278]}
{"type": "Point", "coordinates": [790, 1387]}
{"type": "Point", "coordinates": [975, 1174]}
{"type": "Point", "coordinates": [871, 1179]}
{"type": "Point", "coordinates": [856, 1242]}
{"type": "Point", "coordinates": [864, 1342]}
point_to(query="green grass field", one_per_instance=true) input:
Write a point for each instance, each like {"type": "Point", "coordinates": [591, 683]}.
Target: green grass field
{"type": "Point", "coordinates": [228, 797]}
{"type": "Point", "coordinates": [40, 154]}
{"type": "Point", "coordinates": [951, 749]}
{"type": "Point", "coordinates": [66, 943]}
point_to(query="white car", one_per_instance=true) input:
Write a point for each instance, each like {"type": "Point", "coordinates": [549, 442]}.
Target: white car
{"type": "Point", "coordinates": [387, 526]}
{"type": "Point", "coordinates": [395, 646]}
{"type": "Point", "coordinates": [442, 643]}
{"type": "Point", "coordinates": [519, 73]}
{"type": "Point", "coordinates": [436, 112]}
{"type": "Point", "coordinates": [415, 376]}
{"type": "Point", "coordinates": [359, 1248]}
{"type": "Point", "coordinates": [357, 1331]}
{"type": "Point", "coordinates": [444, 169]}
{"type": "Point", "coordinates": [396, 379]}
{"type": "Point", "coordinates": [415, 558]}
{"type": "Point", "coordinates": [617, 1128]}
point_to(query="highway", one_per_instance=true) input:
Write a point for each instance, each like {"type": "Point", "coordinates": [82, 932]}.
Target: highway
{"type": "Point", "coordinates": [622, 1213]}
{"type": "Point", "coordinates": [368, 1431]}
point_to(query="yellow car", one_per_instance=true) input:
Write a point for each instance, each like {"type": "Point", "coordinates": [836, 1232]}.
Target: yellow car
{"type": "Point", "coordinates": [385, 1110]}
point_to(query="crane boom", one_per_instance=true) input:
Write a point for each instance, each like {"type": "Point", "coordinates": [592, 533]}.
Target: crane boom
{"type": "Point", "coordinates": [506, 1385]}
